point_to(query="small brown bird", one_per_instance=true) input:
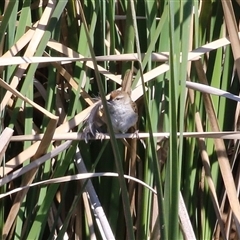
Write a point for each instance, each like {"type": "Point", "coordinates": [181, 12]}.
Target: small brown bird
{"type": "Point", "coordinates": [122, 111]}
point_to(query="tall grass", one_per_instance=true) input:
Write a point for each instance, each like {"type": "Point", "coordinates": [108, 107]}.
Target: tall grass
{"type": "Point", "coordinates": [182, 53]}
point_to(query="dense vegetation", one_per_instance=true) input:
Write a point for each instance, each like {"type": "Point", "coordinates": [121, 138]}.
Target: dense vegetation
{"type": "Point", "coordinates": [57, 57]}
